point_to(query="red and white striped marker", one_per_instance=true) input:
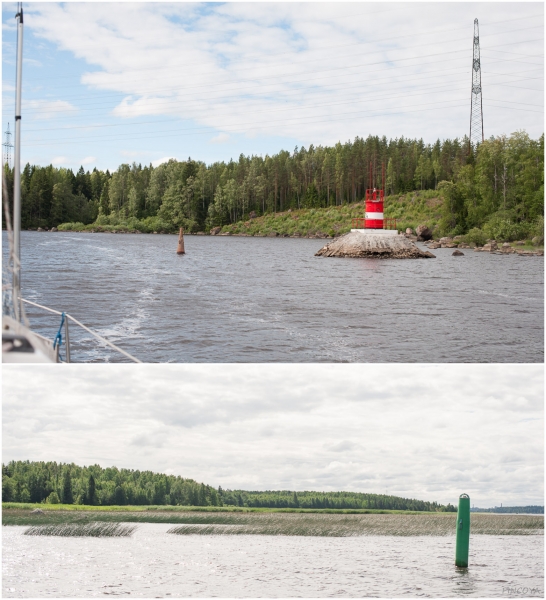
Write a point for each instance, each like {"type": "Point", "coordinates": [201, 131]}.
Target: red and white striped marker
{"type": "Point", "coordinates": [374, 209]}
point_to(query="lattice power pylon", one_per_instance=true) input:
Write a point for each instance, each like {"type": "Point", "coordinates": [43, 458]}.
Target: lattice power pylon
{"type": "Point", "coordinates": [7, 147]}
{"type": "Point", "coordinates": [476, 107]}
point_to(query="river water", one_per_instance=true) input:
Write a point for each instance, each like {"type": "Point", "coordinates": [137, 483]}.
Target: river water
{"type": "Point", "coordinates": [155, 564]}
{"type": "Point", "coordinates": [244, 299]}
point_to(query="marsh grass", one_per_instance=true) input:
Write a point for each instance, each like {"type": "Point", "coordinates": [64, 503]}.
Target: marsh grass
{"type": "Point", "coordinates": [83, 530]}
{"type": "Point", "coordinates": [23, 514]}
{"type": "Point", "coordinates": [287, 523]}
{"type": "Point", "coordinates": [324, 525]}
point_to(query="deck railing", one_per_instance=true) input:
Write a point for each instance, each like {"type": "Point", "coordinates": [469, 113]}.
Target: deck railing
{"type": "Point", "coordinates": [359, 223]}
{"type": "Point", "coordinates": [65, 317]}
{"type": "Point", "coordinates": [389, 223]}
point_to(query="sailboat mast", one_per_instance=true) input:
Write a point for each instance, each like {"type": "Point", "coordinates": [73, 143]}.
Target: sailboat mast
{"type": "Point", "coordinates": [17, 163]}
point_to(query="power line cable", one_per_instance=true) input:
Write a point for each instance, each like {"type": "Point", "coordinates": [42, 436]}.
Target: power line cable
{"type": "Point", "coordinates": [238, 89]}
{"type": "Point", "coordinates": [268, 110]}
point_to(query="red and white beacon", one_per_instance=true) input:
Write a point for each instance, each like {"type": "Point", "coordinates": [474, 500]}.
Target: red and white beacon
{"type": "Point", "coordinates": [373, 217]}
{"type": "Point", "coordinates": [374, 220]}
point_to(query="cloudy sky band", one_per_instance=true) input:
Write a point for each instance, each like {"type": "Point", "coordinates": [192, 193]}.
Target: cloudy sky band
{"type": "Point", "coordinates": [424, 431]}
{"type": "Point", "coordinates": [219, 71]}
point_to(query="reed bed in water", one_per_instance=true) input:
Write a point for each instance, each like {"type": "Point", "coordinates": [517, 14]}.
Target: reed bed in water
{"type": "Point", "coordinates": [275, 523]}
{"type": "Point", "coordinates": [359, 525]}
{"type": "Point", "coordinates": [83, 530]}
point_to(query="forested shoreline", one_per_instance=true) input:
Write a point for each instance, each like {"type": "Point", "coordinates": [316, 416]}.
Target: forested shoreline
{"type": "Point", "coordinates": [500, 187]}
{"type": "Point", "coordinates": [54, 483]}
{"type": "Point", "coordinates": [532, 509]}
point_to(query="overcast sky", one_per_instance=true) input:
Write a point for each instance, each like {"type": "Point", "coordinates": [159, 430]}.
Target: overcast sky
{"type": "Point", "coordinates": [424, 431]}
{"type": "Point", "coordinates": [106, 83]}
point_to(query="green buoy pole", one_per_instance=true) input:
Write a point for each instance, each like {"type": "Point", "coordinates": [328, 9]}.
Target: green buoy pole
{"type": "Point", "coordinates": [462, 540]}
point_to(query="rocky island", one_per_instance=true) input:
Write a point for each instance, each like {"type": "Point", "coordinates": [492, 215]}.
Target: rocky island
{"type": "Point", "coordinates": [359, 244]}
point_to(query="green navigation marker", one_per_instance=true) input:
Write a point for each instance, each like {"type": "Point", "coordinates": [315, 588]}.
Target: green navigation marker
{"type": "Point", "coordinates": [463, 531]}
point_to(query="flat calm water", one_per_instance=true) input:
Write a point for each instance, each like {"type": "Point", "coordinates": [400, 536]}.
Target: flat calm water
{"type": "Point", "coordinates": [244, 299]}
{"type": "Point", "coordinates": [155, 564]}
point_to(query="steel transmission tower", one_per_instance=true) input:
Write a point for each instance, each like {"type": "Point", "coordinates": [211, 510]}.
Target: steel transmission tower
{"type": "Point", "coordinates": [7, 148]}
{"type": "Point", "coordinates": [476, 108]}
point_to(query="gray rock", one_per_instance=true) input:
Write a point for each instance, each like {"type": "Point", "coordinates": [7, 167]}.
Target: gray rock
{"type": "Point", "coordinates": [423, 233]}
{"type": "Point", "coordinates": [538, 240]}
{"type": "Point", "coordinates": [214, 230]}
{"type": "Point", "coordinates": [409, 231]}
{"type": "Point", "coordinates": [457, 253]}
{"type": "Point", "coordinates": [357, 244]}
{"type": "Point", "coordinates": [37, 511]}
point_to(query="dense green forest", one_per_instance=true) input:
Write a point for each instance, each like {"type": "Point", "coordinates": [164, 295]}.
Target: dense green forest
{"type": "Point", "coordinates": [499, 187]}
{"type": "Point", "coordinates": [51, 482]}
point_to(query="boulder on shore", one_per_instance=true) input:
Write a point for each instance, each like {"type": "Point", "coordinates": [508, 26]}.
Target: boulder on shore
{"type": "Point", "coordinates": [214, 230]}
{"type": "Point", "coordinates": [358, 244]}
{"type": "Point", "coordinates": [423, 233]}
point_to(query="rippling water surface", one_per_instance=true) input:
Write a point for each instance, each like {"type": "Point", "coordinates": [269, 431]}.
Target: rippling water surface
{"type": "Point", "coordinates": [155, 564]}
{"type": "Point", "coordinates": [238, 299]}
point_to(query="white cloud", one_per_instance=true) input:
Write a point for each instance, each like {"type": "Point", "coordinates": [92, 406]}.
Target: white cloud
{"type": "Point", "coordinates": [317, 72]}
{"type": "Point", "coordinates": [88, 160]}
{"type": "Point", "coordinates": [32, 62]}
{"type": "Point", "coordinates": [59, 160]}
{"type": "Point", "coordinates": [49, 109]}
{"type": "Point", "coordinates": [160, 161]}
{"type": "Point", "coordinates": [221, 138]}
{"type": "Point", "coordinates": [321, 427]}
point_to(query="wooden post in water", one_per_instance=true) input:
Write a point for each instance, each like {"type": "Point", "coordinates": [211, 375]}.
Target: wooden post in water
{"type": "Point", "coordinates": [180, 249]}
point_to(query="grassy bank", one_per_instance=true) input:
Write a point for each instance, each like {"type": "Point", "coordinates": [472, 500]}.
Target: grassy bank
{"type": "Point", "coordinates": [14, 513]}
{"type": "Point", "coordinates": [319, 523]}
{"type": "Point", "coordinates": [410, 210]}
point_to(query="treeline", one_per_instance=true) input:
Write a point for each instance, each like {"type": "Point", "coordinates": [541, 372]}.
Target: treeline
{"type": "Point", "coordinates": [526, 510]}
{"type": "Point", "coordinates": [332, 500]}
{"type": "Point", "coordinates": [53, 483]}
{"type": "Point", "coordinates": [504, 179]}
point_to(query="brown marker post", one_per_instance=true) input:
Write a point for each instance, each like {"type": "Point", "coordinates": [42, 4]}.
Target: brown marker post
{"type": "Point", "coordinates": [180, 249]}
